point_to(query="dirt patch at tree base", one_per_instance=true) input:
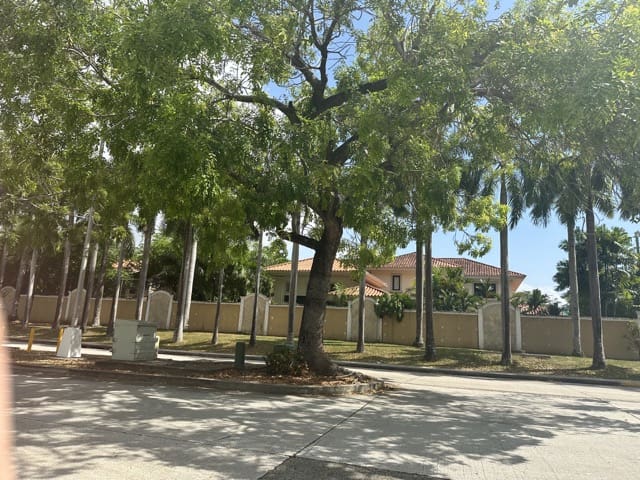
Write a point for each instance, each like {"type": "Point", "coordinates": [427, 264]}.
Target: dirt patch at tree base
{"type": "Point", "coordinates": [201, 370]}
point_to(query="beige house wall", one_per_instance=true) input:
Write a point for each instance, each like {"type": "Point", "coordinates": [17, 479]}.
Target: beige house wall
{"type": "Point", "coordinates": [407, 278]}
{"type": "Point", "coordinates": [203, 314]}
{"type": "Point", "coordinates": [279, 320]}
{"type": "Point", "coordinates": [281, 279]}
{"type": "Point", "coordinates": [553, 335]}
{"type": "Point", "coordinates": [44, 308]}
{"type": "Point", "coordinates": [335, 323]}
{"type": "Point", "coordinates": [451, 329]}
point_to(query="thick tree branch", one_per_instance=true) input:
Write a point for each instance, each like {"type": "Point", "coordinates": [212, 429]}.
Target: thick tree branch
{"type": "Point", "coordinates": [341, 97]}
{"type": "Point", "coordinates": [261, 99]}
{"type": "Point", "coordinates": [339, 155]}
{"type": "Point", "coordinates": [299, 239]}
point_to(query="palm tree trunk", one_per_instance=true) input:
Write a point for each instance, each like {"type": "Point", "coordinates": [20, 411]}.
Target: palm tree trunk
{"type": "Point", "coordinates": [190, 277]}
{"type": "Point", "coordinates": [116, 293]}
{"type": "Point", "coordinates": [178, 334]}
{"type": "Point", "coordinates": [216, 323]}
{"type": "Point", "coordinates": [254, 315]}
{"type": "Point", "coordinates": [22, 270]}
{"type": "Point", "coordinates": [64, 274]}
{"type": "Point", "coordinates": [430, 353]}
{"type": "Point", "coordinates": [83, 268]}
{"type": "Point", "coordinates": [33, 270]}
{"type": "Point", "coordinates": [574, 305]}
{"type": "Point", "coordinates": [361, 299]}
{"type": "Point", "coordinates": [293, 280]}
{"type": "Point", "coordinates": [181, 282]}
{"type": "Point", "coordinates": [504, 282]}
{"type": "Point", "coordinates": [90, 283]}
{"type": "Point", "coordinates": [420, 265]}
{"type": "Point", "coordinates": [142, 281]}
{"type": "Point", "coordinates": [97, 308]}
{"type": "Point", "coordinates": [599, 361]}
{"type": "Point", "coordinates": [3, 261]}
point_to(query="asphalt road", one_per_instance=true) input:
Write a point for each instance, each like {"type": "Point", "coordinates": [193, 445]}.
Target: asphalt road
{"type": "Point", "coordinates": [434, 427]}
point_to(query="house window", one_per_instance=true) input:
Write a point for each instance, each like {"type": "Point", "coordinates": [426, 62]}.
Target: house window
{"type": "Point", "coordinates": [484, 290]}
{"type": "Point", "coordinates": [395, 282]}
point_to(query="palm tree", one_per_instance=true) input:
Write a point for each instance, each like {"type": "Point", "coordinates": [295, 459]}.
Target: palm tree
{"type": "Point", "coordinates": [550, 187]}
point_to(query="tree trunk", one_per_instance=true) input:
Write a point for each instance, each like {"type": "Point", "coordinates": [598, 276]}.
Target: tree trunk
{"type": "Point", "coordinates": [293, 280]}
{"type": "Point", "coordinates": [22, 270]}
{"type": "Point", "coordinates": [99, 294]}
{"type": "Point", "coordinates": [33, 270]}
{"type": "Point", "coordinates": [574, 305]}
{"type": "Point", "coordinates": [430, 353]}
{"type": "Point", "coordinates": [3, 261]}
{"type": "Point", "coordinates": [599, 361]}
{"type": "Point", "coordinates": [116, 293]}
{"type": "Point", "coordinates": [254, 315]}
{"type": "Point", "coordinates": [142, 281]}
{"type": "Point", "coordinates": [419, 341]}
{"type": "Point", "coordinates": [311, 330]}
{"type": "Point", "coordinates": [90, 283]}
{"type": "Point", "coordinates": [216, 323]}
{"type": "Point", "coordinates": [361, 299]}
{"type": "Point", "coordinates": [181, 282]}
{"type": "Point", "coordinates": [83, 268]}
{"type": "Point", "coordinates": [504, 282]}
{"type": "Point", "coordinates": [178, 334]}
{"type": "Point", "coordinates": [190, 277]}
{"type": "Point", "coordinates": [64, 274]}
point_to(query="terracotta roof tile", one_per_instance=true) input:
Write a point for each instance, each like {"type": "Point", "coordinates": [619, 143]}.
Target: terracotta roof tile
{"type": "Point", "coordinates": [369, 291]}
{"type": "Point", "coordinates": [304, 265]}
{"type": "Point", "coordinates": [407, 261]}
{"type": "Point", "coordinates": [470, 268]}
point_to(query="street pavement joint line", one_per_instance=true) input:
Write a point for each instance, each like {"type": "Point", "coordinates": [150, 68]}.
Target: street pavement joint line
{"type": "Point", "coordinates": [345, 419]}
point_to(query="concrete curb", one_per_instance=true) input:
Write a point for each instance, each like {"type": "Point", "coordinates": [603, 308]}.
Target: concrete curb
{"type": "Point", "coordinates": [495, 375]}
{"type": "Point", "coordinates": [406, 368]}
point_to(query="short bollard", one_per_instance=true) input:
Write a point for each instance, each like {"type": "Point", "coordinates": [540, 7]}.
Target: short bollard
{"type": "Point", "coordinates": [32, 334]}
{"type": "Point", "coordinates": [240, 355]}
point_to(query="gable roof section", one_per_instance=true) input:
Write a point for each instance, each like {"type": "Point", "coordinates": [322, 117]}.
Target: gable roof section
{"type": "Point", "coordinates": [369, 291]}
{"type": "Point", "coordinates": [304, 265]}
{"type": "Point", "coordinates": [470, 268]}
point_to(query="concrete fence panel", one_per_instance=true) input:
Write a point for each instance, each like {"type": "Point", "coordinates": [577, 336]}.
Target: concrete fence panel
{"type": "Point", "coordinates": [335, 323]}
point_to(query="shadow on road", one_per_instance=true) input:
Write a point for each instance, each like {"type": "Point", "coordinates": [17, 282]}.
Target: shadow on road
{"type": "Point", "coordinates": [85, 423]}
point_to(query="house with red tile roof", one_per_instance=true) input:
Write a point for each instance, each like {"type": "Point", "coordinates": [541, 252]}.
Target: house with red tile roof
{"type": "Point", "coordinates": [399, 275]}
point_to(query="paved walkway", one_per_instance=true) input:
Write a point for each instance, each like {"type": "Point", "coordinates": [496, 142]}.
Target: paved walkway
{"type": "Point", "coordinates": [435, 426]}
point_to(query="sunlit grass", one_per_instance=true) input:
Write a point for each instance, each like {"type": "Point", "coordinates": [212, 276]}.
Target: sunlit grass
{"type": "Point", "coordinates": [452, 358]}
